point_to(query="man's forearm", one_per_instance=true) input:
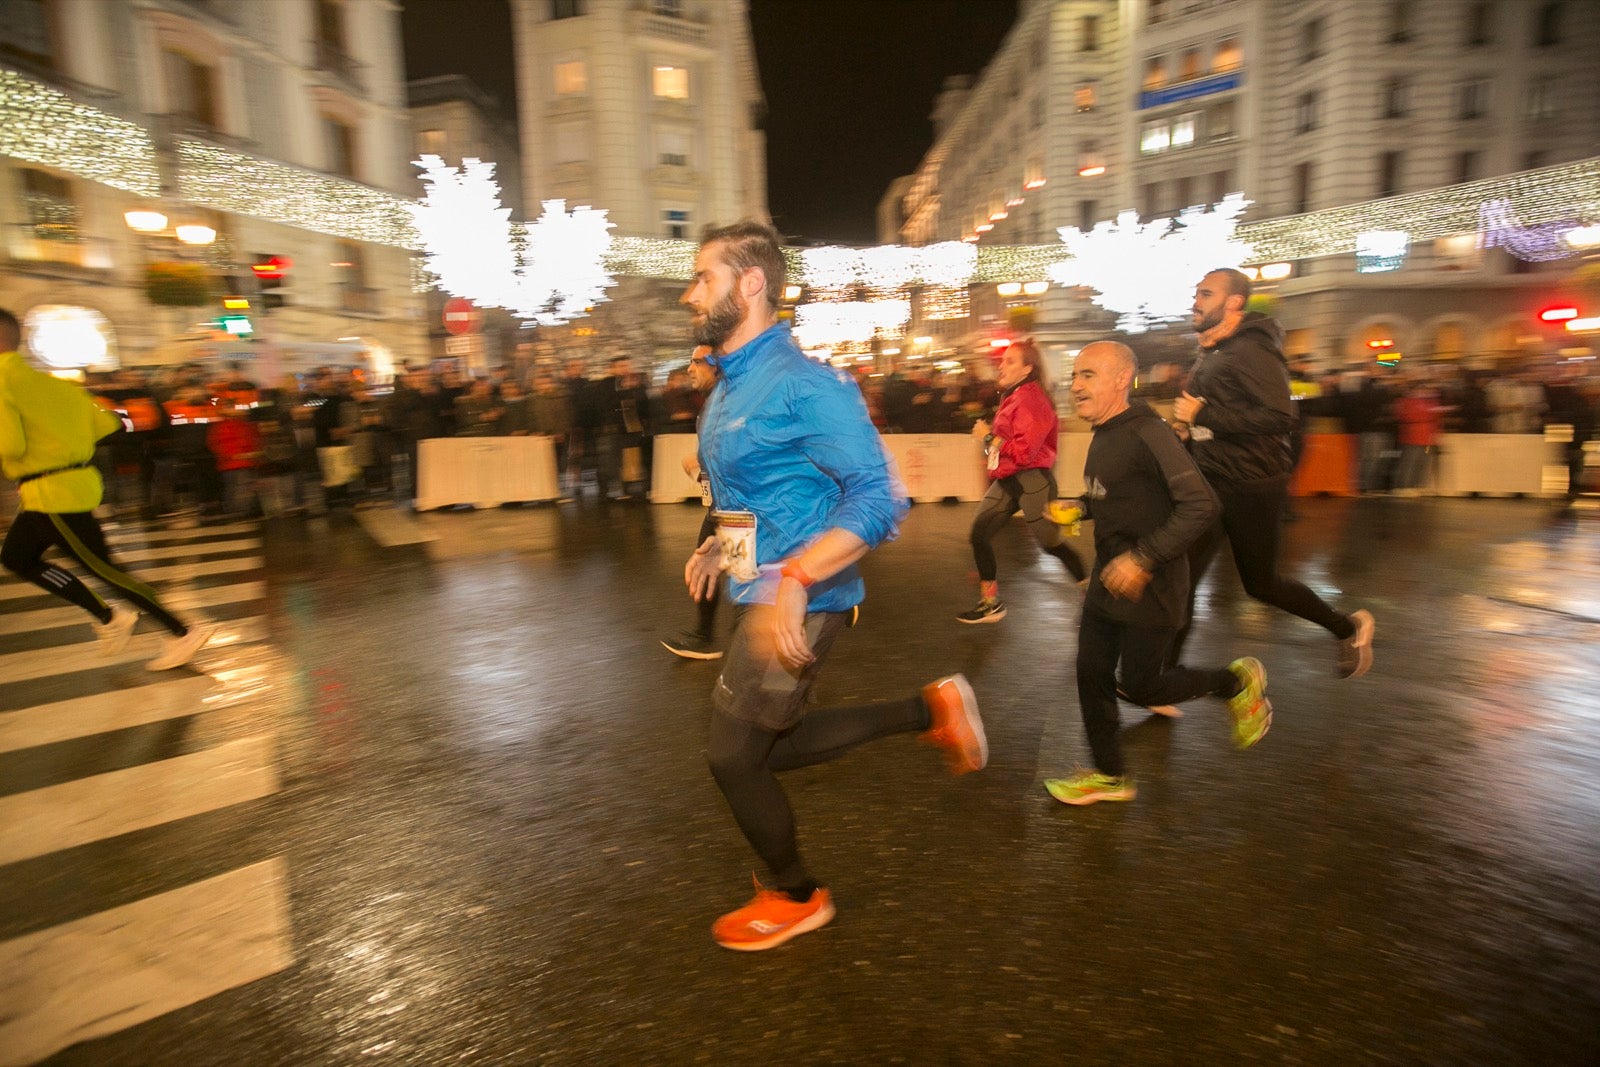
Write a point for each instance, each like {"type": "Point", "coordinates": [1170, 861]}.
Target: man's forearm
{"type": "Point", "coordinates": [829, 554]}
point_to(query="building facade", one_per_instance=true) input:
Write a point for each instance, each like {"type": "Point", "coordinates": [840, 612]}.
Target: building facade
{"type": "Point", "coordinates": [1092, 107]}
{"type": "Point", "coordinates": [280, 128]}
{"type": "Point", "coordinates": [650, 109]}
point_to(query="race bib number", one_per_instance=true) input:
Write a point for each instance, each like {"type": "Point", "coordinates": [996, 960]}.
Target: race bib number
{"type": "Point", "coordinates": [705, 489]}
{"type": "Point", "coordinates": [736, 533]}
{"type": "Point", "coordinates": [993, 453]}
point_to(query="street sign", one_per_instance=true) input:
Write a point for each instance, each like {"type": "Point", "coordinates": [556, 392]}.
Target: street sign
{"type": "Point", "coordinates": [460, 317]}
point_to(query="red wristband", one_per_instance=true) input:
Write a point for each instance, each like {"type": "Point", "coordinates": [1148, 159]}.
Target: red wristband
{"type": "Point", "coordinates": [792, 569]}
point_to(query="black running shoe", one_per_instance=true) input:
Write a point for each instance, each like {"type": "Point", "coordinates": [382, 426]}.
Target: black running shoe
{"type": "Point", "coordinates": [986, 611]}
{"type": "Point", "coordinates": [691, 645]}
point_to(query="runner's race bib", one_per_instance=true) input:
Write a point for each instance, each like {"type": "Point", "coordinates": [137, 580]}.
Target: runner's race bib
{"type": "Point", "coordinates": [736, 533]}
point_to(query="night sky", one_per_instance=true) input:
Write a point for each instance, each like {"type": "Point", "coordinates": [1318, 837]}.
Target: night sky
{"type": "Point", "coordinates": [849, 86]}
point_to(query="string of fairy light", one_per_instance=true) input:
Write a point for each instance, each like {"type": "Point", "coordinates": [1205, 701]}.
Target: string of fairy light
{"type": "Point", "coordinates": [42, 125]}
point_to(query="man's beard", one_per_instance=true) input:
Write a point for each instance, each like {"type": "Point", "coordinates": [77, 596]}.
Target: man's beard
{"type": "Point", "coordinates": [720, 321]}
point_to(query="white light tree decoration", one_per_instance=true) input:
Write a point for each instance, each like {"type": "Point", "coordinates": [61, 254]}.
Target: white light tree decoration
{"type": "Point", "coordinates": [551, 270]}
{"type": "Point", "coordinates": [1146, 272]}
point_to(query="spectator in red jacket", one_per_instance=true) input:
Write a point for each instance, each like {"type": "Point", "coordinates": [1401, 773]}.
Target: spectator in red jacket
{"type": "Point", "coordinates": [236, 443]}
{"type": "Point", "coordinates": [1021, 452]}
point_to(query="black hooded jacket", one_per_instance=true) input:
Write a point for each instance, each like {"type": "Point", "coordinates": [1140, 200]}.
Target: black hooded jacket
{"type": "Point", "coordinates": [1146, 497]}
{"type": "Point", "coordinates": [1241, 437]}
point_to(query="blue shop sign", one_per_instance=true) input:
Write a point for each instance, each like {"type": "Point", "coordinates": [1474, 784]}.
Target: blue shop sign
{"type": "Point", "coordinates": [1189, 90]}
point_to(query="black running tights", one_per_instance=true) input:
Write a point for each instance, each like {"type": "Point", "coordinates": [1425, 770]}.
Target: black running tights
{"type": "Point", "coordinates": [744, 758]}
{"type": "Point", "coordinates": [78, 534]}
{"type": "Point", "coordinates": [1028, 491]}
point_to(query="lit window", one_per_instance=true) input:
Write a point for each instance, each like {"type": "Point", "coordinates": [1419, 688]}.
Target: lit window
{"type": "Point", "coordinates": [430, 142]}
{"type": "Point", "coordinates": [1155, 137]}
{"type": "Point", "coordinates": [1086, 95]}
{"type": "Point", "coordinates": [1191, 65]}
{"type": "Point", "coordinates": [572, 76]}
{"type": "Point", "coordinates": [1229, 56]}
{"type": "Point", "coordinates": [669, 83]}
{"type": "Point", "coordinates": [1183, 129]}
{"type": "Point", "coordinates": [1155, 73]}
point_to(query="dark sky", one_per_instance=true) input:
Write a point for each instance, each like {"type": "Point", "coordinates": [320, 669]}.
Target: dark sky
{"type": "Point", "coordinates": [849, 85]}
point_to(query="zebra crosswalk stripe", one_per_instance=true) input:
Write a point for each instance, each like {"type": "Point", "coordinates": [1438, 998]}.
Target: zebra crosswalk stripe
{"type": "Point", "coordinates": [99, 973]}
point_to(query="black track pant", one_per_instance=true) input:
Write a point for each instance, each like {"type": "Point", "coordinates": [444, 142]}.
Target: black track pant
{"type": "Point", "coordinates": [1028, 491]}
{"type": "Point", "coordinates": [78, 534]}
{"type": "Point", "coordinates": [744, 758]}
{"type": "Point", "coordinates": [1252, 521]}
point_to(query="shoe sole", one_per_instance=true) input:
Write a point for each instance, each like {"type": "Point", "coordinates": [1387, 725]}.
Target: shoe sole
{"type": "Point", "coordinates": [1093, 798]}
{"type": "Point", "coordinates": [1363, 643]}
{"type": "Point", "coordinates": [816, 921]}
{"type": "Point", "coordinates": [995, 617]}
{"type": "Point", "coordinates": [160, 663]}
{"type": "Point", "coordinates": [686, 654]}
{"type": "Point", "coordinates": [969, 709]}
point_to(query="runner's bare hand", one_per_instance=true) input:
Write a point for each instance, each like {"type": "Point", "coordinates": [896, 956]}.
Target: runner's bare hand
{"type": "Point", "coordinates": [704, 569]}
{"type": "Point", "coordinates": [789, 625]}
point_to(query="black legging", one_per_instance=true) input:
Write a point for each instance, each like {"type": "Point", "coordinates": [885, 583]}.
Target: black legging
{"type": "Point", "coordinates": [1028, 491]}
{"type": "Point", "coordinates": [744, 757]}
{"type": "Point", "coordinates": [1252, 520]}
{"type": "Point", "coordinates": [78, 534]}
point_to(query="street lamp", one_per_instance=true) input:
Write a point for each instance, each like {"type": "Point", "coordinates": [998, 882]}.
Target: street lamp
{"type": "Point", "coordinates": [145, 221]}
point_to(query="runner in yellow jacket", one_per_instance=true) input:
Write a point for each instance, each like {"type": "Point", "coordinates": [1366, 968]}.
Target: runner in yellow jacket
{"type": "Point", "coordinates": [48, 431]}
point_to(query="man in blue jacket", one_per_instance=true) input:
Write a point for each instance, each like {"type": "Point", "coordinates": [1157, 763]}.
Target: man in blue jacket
{"type": "Point", "coordinates": [803, 489]}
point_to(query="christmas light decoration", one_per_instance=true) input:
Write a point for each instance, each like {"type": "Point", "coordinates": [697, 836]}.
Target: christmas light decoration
{"type": "Point", "coordinates": [45, 126]}
{"type": "Point", "coordinates": [551, 271]}
{"type": "Point", "coordinates": [244, 185]}
{"type": "Point", "coordinates": [1381, 250]}
{"type": "Point", "coordinates": [836, 323]}
{"type": "Point", "coordinates": [1534, 244]}
{"type": "Point", "coordinates": [1145, 272]}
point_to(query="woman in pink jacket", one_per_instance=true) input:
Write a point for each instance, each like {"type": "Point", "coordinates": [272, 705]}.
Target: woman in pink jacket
{"type": "Point", "coordinates": [1021, 451]}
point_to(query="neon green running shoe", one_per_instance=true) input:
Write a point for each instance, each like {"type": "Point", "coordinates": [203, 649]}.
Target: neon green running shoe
{"type": "Point", "coordinates": [1090, 787]}
{"type": "Point", "coordinates": [1250, 708]}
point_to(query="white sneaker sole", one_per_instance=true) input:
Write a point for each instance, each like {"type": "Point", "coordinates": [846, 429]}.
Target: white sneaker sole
{"type": "Point", "coordinates": [687, 654]}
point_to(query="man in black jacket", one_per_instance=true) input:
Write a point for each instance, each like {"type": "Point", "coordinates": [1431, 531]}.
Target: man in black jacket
{"type": "Point", "coordinates": [1149, 503]}
{"type": "Point", "coordinates": [1238, 416]}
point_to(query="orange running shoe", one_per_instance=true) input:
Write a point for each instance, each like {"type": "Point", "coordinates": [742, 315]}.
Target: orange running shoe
{"type": "Point", "coordinates": [771, 919]}
{"type": "Point", "coordinates": [957, 727]}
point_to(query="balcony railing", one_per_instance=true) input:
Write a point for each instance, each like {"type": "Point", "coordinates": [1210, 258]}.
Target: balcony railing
{"type": "Point", "coordinates": [670, 28]}
{"type": "Point", "coordinates": [330, 59]}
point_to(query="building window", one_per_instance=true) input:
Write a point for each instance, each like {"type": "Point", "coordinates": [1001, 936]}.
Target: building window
{"type": "Point", "coordinates": [430, 142]}
{"type": "Point", "coordinates": [1184, 128]}
{"type": "Point", "coordinates": [1302, 188]}
{"type": "Point", "coordinates": [572, 145]}
{"type": "Point", "coordinates": [1541, 99]}
{"type": "Point", "coordinates": [1389, 174]}
{"type": "Point", "coordinates": [1155, 137]}
{"type": "Point", "coordinates": [672, 148]}
{"type": "Point", "coordinates": [676, 222]}
{"type": "Point", "coordinates": [1221, 185]}
{"type": "Point", "coordinates": [1396, 100]}
{"type": "Point", "coordinates": [1155, 73]}
{"type": "Point", "coordinates": [1219, 121]}
{"type": "Point", "coordinates": [669, 83]}
{"type": "Point", "coordinates": [25, 32]}
{"type": "Point", "coordinates": [1547, 27]}
{"type": "Point", "coordinates": [191, 88]}
{"type": "Point", "coordinates": [339, 140]}
{"type": "Point", "coordinates": [1086, 95]}
{"type": "Point", "coordinates": [1310, 40]}
{"type": "Point", "coordinates": [350, 279]}
{"type": "Point", "coordinates": [568, 9]}
{"type": "Point", "coordinates": [669, 8]}
{"type": "Point", "coordinates": [1185, 192]}
{"type": "Point", "coordinates": [1148, 199]}
{"type": "Point", "coordinates": [571, 77]}
{"type": "Point", "coordinates": [1192, 65]}
{"type": "Point", "coordinates": [1305, 115]}
{"type": "Point", "coordinates": [1533, 160]}
{"type": "Point", "coordinates": [1479, 21]}
{"type": "Point", "coordinates": [1228, 57]}
{"type": "Point", "coordinates": [48, 205]}
{"type": "Point", "coordinates": [1091, 160]}
{"type": "Point", "coordinates": [330, 26]}
{"type": "Point", "coordinates": [1467, 166]}
{"type": "Point", "coordinates": [1472, 99]}
{"type": "Point", "coordinates": [1089, 33]}
{"type": "Point", "coordinates": [1036, 110]}
{"type": "Point", "coordinates": [1399, 21]}
{"type": "Point", "coordinates": [1088, 214]}
{"type": "Point", "coordinates": [1156, 12]}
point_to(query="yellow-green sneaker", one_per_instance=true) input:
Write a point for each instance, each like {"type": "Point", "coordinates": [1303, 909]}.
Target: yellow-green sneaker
{"type": "Point", "coordinates": [1091, 787]}
{"type": "Point", "coordinates": [1250, 708]}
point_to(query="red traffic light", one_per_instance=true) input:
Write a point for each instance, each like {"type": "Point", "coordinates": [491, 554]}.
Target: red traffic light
{"type": "Point", "coordinates": [1558, 314]}
{"type": "Point", "coordinates": [272, 268]}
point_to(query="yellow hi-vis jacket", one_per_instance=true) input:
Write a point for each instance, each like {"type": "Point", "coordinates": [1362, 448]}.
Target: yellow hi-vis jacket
{"type": "Point", "coordinates": [47, 424]}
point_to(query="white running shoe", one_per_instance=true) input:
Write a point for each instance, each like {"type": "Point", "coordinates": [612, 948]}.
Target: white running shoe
{"type": "Point", "coordinates": [114, 635]}
{"type": "Point", "coordinates": [180, 650]}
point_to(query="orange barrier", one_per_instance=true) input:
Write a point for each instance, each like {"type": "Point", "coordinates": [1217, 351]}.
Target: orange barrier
{"type": "Point", "coordinates": [1327, 466]}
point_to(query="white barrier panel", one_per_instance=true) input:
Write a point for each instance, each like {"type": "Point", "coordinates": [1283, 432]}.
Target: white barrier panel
{"type": "Point", "coordinates": [1501, 463]}
{"type": "Point", "coordinates": [933, 466]}
{"type": "Point", "coordinates": [485, 471]}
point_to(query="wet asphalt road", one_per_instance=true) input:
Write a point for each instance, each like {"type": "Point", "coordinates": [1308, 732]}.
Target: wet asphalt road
{"type": "Point", "coordinates": [504, 847]}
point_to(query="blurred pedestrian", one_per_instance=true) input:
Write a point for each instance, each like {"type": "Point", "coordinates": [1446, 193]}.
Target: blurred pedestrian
{"type": "Point", "coordinates": [48, 431]}
{"type": "Point", "coordinates": [1238, 416]}
{"type": "Point", "coordinates": [699, 643]}
{"type": "Point", "coordinates": [1149, 504]}
{"type": "Point", "coordinates": [235, 442]}
{"type": "Point", "coordinates": [804, 490]}
{"type": "Point", "coordinates": [1419, 420]}
{"type": "Point", "coordinates": [1020, 451]}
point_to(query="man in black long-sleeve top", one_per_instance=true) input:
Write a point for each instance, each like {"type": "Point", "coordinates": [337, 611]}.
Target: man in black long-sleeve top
{"type": "Point", "coordinates": [1149, 504]}
{"type": "Point", "coordinates": [1238, 416]}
